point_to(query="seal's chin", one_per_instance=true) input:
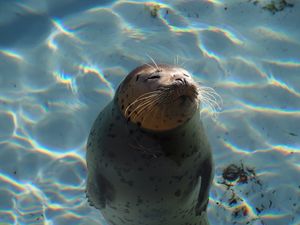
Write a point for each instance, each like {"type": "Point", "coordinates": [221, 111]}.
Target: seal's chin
{"type": "Point", "coordinates": [186, 100]}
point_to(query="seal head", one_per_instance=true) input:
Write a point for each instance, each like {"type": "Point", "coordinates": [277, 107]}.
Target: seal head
{"type": "Point", "coordinates": [159, 97]}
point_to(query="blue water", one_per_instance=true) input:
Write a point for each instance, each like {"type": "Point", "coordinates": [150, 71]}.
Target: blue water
{"type": "Point", "coordinates": [61, 61]}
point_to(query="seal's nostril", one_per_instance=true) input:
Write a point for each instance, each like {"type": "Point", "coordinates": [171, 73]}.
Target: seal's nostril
{"type": "Point", "coordinates": [181, 80]}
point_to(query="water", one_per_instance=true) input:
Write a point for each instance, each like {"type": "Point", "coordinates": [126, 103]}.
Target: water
{"type": "Point", "coordinates": [61, 61]}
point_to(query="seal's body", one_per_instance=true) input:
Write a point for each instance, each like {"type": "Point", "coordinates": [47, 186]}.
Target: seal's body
{"type": "Point", "coordinates": [152, 175]}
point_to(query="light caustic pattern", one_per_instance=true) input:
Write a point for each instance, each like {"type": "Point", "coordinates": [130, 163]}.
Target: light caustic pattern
{"type": "Point", "coordinates": [60, 63]}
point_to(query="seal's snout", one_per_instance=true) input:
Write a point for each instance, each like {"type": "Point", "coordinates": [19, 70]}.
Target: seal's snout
{"type": "Point", "coordinates": [158, 97]}
{"type": "Point", "coordinates": [183, 88]}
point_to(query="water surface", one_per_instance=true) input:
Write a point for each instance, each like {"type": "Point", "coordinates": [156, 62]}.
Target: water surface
{"type": "Point", "coordinates": [61, 62]}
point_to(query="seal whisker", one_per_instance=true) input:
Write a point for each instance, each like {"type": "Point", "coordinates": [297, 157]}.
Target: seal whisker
{"type": "Point", "coordinates": [153, 61]}
{"type": "Point", "coordinates": [152, 105]}
{"type": "Point", "coordinates": [213, 101]}
{"type": "Point", "coordinates": [142, 98]}
{"type": "Point", "coordinates": [182, 64]}
{"type": "Point", "coordinates": [210, 95]}
{"type": "Point", "coordinates": [140, 107]}
{"type": "Point", "coordinates": [211, 105]}
{"type": "Point", "coordinates": [210, 90]}
{"type": "Point", "coordinates": [149, 106]}
{"type": "Point", "coordinates": [208, 99]}
{"type": "Point", "coordinates": [175, 60]}
{"type": "Point", "coordinates": [138, 110]}
{"type": "Point", "coordinates": [146, 111]}
{"type": "Point", "coordinates": [150, 65]}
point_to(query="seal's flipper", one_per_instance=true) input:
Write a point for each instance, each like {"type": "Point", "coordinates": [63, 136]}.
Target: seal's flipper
{"type": "Point", "coordinates": [205, 172]}
{"type": "Point", "coordinates": [98, 191]}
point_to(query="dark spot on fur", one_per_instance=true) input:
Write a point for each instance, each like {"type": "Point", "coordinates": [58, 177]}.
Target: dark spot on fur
{"type": "Point", "coordinates": [111, 155]}
{"type": "Point", "coordinates": [165, 139]}
{"type": "Point", "coordinates": [168, 154]}
{"type": "Point", "coordinates": [122, 106]}
{"type": "Point", "coordinates": [137, 77]}
{"type": "Point", "coordinates": [178, 178]}
{"type": "Point", "coordinates": [111, 135]}
{"type": "Point", "coordinates": [139, 201]}
{"type": "Point", "coordinates": [177, 193]}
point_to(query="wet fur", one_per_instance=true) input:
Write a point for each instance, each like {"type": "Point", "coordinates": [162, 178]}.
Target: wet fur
{"type": "Point", "coordinates": [138, 176]}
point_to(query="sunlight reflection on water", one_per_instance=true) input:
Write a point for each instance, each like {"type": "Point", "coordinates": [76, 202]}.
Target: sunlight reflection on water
{"type": "Point", "coordinates": [60, 64]}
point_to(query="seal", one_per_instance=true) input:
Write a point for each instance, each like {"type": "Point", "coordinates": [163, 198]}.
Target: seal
{"type": "Point", "coordinates": [149, 161]}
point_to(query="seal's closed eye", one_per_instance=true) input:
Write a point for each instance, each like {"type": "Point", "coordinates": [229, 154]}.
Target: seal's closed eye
{"type": "Point", "coordinates": [153, 77]}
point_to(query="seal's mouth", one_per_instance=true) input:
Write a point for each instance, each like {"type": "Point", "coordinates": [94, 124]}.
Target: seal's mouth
{"type": "Point", "coordinates": [184, 98]}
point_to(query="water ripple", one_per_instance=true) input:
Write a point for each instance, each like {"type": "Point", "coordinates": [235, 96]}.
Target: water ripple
{"type": "Point", "coordinates": [61, 63]}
